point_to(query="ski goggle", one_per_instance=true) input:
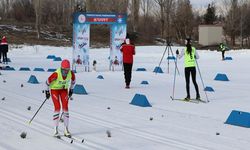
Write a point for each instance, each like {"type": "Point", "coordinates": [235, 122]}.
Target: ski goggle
{"type": "Point", "coordinates": [65, 70]}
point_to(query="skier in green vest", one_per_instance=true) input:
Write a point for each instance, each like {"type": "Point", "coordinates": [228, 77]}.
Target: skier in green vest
{"type": "Point", "coordinates": [222, 48]}
{"type": "Point", "coordinates": [61, 84]}
{"type": "Point", "coordinates": [190, 54]}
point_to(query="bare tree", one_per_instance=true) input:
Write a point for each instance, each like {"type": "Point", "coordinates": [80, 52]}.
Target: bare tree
{"type": "Point", "coordinates": [135, 14]}
{"type": "Point", "coordinates": [145, 6]}
{"type": "Point", "coordinates": [7, 8]}
{"type": "Point", "coordinates": [70, 11]}
{"type": "Point", "coordinates": [22, 10]}
{"type": "Point", "coordinates": [244, 22]}
{"type": "Point", "coordinates": [38, 17]}
{"type": "Point", "coordinates": [183, 22]}
{"type": "Point", "coordinates": [161, 4]}
{"type": "Point", "coordinates": [232, 22]}
{"type": "Point", "coordinates": [168, 11]}
{"type": "Point", "coordinates": [108, 6]}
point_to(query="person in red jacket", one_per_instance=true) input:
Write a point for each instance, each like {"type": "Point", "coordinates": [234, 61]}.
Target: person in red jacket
{"type": "Point", "coordinates": [59, 82]}
{"type": "Point", "coordinates": [4, 49]}
{"type": "Point", "coordinates": [0, 52]}
{"type": "Point", "coordinates": [128, 50]}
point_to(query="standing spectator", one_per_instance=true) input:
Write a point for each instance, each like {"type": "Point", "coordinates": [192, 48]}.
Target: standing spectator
{"type": "Point", "coordinates": [128, 50]}
{"type": "Point", "coordinates": [190, 54]}
{"type": "Point", "coordinates": [94, 65]}
{"type": "Point", "coordinates": [4, 49]}
{"type": "Point", "coordinates": [0, 52]}
{"type": "Point", "coordinates": [78, 61]}
{"type": "Point", "coordinates": [59, 82]}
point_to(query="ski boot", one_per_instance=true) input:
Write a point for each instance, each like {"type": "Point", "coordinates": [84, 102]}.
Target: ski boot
{"type": "Point", "coordinates": [56, 133]}
{"type": "Point", "coordinates": [198, 97]}
{"type": "Point", "coordinates": [67, 133]}
{"type": "Point", "coordinates": [187, 98]}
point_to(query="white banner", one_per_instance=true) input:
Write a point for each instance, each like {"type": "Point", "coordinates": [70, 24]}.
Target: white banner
{"type": "Point", "coordinates": [81, 45]}
{"type": "Point", "coordinates": [118, 35]}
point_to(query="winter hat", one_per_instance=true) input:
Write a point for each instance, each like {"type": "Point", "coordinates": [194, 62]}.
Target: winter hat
{"type": "Point", "coordinates": [4, 40]}
{"type": "Point", "coordinates": [65, 64]}
{"type": "Point", "coordinates": [188, 41]}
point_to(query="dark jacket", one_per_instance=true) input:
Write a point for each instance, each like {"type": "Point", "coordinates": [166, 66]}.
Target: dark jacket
{"type": "Point", "coordinates": [4, 48]}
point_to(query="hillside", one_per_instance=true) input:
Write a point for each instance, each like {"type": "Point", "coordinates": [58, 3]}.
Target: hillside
{"type": "Point", "coordinates": [26, 34]}
{"type": "Point", "coordinates": [58, 36]}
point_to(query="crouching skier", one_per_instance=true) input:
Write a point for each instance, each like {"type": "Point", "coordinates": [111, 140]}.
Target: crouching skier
{"type": "Point", "coordinates": [61, 83]}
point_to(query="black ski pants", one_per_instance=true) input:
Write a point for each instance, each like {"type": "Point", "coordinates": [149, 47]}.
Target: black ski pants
{"type": "Point", "coordinates": [223, 55]}
{"type": "Point", "coordinates": [127, 72]}
{"type": "Point", "coordinates": [5, 57]}
{"type": "Point", "coordinates": [192, 71]}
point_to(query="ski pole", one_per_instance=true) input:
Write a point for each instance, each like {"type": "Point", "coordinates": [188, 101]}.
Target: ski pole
{"type": "Point", "coordinates": [201, 79]}
{"type": "Point", "coordinates": [175, 61]}
{"type": "Point", "coordinates": [174, 77]}
{"type": "Point", "coordinates": [168, 60]}
{"type": "Point", "coordinates": [61, 117]}
{"type": "Point", "coordinates": [37, 111]}
{"type": "Point", "coordinates": [63, 112]}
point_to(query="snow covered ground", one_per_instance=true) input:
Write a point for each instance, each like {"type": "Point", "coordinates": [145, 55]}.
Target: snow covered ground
{"type": "Point", "coordinates": [174, 125]}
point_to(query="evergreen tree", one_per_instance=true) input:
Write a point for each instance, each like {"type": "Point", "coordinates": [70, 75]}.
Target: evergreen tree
{"type": "Point", "coordinates": [210, 16]}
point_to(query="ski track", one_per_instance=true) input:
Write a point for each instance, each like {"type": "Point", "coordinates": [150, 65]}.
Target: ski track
{"type": "Point", "coordinates": [142, 134]}
{"type": "Point", "coordinates": [125, 129]}
{"type": "Point", "coordinates": [38, 103]}
{"type": "Point", "coordinates": [86, 144]}
{"type": "Point", "coordinates": [159, 108]}
{"type": "Point", "coordinates": [4, 146]}
{"type": "Point", "coordinates": [40, 127]}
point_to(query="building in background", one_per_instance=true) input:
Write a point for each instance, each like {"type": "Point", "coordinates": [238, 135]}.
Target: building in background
{"type": "Point", "coordinates": [210, 34]}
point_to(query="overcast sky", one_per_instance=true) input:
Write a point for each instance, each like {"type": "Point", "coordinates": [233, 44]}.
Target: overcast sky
{"type": "Point", "coordinates": [200, 3]}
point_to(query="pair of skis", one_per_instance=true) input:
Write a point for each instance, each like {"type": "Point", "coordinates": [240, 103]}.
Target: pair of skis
{"type": "Point", "coordinates": [71, 139]}
{"type": "Point", "coordinates": [189, 100]}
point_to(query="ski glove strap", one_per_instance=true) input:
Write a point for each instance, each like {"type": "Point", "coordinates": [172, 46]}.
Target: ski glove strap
{"type": "Point", "coordinates": [47, 94]}
{"type": "Point", "coordinates": [177, 52]}
{"type": "Point", "coordinates": [70, 92]}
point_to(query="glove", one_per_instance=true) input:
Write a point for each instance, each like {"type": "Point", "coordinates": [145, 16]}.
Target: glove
{"type": "Point", "coordinates": [177, 52]}
{"type": "Point", "coordinates": [70, 92]}
{"type": "Point", "coordinates": [47, 94]}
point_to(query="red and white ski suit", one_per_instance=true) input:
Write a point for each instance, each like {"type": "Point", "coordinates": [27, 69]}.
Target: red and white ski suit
{"type": "Point", "coordinates": [60, 96]}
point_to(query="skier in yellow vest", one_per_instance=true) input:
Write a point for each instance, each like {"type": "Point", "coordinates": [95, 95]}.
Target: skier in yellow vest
{"type": "Point", "coordinates": [190, 54]}
{"type": "Point", "coordinates": [59, 82]}
{"type": "Point", "coordinates": [222, 48]}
